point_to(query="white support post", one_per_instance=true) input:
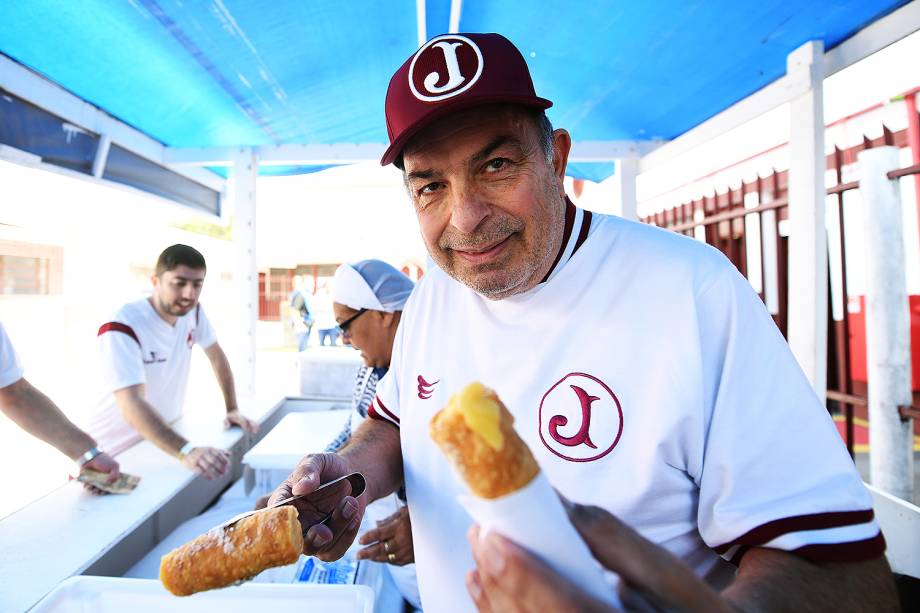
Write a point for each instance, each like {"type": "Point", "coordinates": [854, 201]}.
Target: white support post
{"type": "Point", "coordinates": [627, 169]}
{"type": "Point", "coordinates": [246, 274]}
{"type": "Point", "coordinates": [807, 235]}
{"type": "Point", "coordinates": [102, 155]}
{"type": "Point", "coordinates": [891, 466]}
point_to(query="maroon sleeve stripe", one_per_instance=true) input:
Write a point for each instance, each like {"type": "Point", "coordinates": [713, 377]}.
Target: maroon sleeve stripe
{"type": "Point", "coordinates": [817, 521]}
{"type": "Point", "coordinates": [825, 553]}
{"type": "Point", "coordinates": [385, 409]}
{"type": "Point", "coordinates": [114, 326]}
{"type": "Point", "coordinates": [857, 551]}
{"type": "Point", "coordinates": [373, 414]}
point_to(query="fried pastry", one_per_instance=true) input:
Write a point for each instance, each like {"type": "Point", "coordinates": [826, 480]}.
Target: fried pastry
{"type": "Point", "coordinates": [224, 556]}
{"type": "Point", "coordinates": [475, 431]}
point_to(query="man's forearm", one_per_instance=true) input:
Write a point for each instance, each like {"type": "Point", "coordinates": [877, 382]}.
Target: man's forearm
{"type": "Point", "coordinates": [374, 450]}
{"type": "Point", "coordinates": [222, 371]}
{"type": "Point", "coordinates": [39, 416]}
{"type": "Point", "coordinates": [144, 418]}
{"type": "Point", "coordinates": [773, 580]}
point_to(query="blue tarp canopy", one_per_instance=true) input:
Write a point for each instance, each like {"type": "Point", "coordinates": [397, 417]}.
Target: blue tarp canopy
{"type": "Point", "coordinates": [220, 73]}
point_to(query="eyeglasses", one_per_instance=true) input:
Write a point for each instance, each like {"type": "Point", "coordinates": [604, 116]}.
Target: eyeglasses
{"type": "Point", "coordinates": [347, 323]}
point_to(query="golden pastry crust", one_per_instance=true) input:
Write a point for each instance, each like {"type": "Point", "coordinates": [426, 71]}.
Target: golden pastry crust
{"type": "Point", "coordinates": [490, 472]}
{"type": "Point", "coordinates": [224, 556]}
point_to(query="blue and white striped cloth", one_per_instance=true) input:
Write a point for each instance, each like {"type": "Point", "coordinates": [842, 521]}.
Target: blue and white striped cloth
{"type": "Point", "coordinates": [365, 387]}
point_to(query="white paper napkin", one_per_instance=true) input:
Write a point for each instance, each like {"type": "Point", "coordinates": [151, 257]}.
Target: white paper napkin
{"type": "Point", "coordinates": [534, 518]}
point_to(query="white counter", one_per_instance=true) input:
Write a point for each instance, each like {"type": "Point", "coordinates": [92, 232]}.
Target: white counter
{"type": "Point", "coordinates": [70, 532]}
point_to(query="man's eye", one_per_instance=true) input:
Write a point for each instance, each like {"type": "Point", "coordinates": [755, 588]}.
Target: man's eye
{"type": "Point", "coordinates": [429, 188]}
{"type": "Point", "coordinates": [496, 164]}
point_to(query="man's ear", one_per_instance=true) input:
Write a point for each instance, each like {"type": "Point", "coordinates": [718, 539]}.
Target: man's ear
{"type": "Point", "coordinates": [154, 280]}
{"type": "Point", "coordinates": [562, 145]}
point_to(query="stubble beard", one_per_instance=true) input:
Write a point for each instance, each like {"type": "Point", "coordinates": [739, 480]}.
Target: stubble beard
{"type": "Point", "coordinates": [511, 275]}
{"type": "Point", "coordinates": [174, 310]}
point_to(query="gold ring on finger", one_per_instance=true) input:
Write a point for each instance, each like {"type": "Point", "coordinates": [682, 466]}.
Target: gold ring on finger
{"type": "Point", "coordinates": [392, 558]}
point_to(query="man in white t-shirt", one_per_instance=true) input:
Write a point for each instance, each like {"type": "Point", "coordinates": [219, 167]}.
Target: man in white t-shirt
{"type": "Point", "coordinates": [39, 416]}
{"type": "Point", "coordinates": [641, 369]}
{"type": "Point", "coordinates": [146, 351]}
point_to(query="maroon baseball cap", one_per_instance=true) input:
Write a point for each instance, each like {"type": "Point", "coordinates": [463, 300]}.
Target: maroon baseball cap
{"type": "Point", "coordinates": [450, 73]}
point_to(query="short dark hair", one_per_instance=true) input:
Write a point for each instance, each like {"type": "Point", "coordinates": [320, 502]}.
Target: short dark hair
{"type": "Point", "coordinates": [179, 255]}
{"type": "Point", "coordinates": [544, 127]}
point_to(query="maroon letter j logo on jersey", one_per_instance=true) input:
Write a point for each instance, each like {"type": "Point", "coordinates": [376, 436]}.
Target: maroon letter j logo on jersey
{"type": "Point", "coordinates": [582, 436]}
{"type": "Point", "coordinates": [580, 421]}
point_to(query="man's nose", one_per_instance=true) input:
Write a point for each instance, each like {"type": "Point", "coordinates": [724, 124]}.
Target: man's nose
{"type": "Point", "coordinates": [468, 210]}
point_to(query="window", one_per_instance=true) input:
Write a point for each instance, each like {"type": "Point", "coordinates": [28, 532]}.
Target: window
{"type": "Point", "coordinates": [29, 269]}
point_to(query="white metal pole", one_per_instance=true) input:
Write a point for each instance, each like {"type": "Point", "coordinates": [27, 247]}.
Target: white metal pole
{"type": "Point", "coordinates": [891, 466]}
{"type": "Point", "coordinates": [807, 235]}
{"type": "Point", "coordinates": [627, 169]}
{"type": "Point", "coordinates": [102, 155]}
{"type": "Point", "coordinates": [246, 274]}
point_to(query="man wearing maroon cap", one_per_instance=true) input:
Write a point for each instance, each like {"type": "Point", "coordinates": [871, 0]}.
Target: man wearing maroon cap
{"type": "Point", "coordinates": [642, 372]}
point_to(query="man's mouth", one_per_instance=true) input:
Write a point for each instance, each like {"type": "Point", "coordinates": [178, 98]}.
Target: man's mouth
{"type": "Point", "coordinates": [483, 255]}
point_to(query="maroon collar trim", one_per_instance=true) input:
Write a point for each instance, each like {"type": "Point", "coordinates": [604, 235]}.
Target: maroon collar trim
{"type": "Point", "coordinates": [571, 214]}
{"type": "Point", "coordinates": [566, 235]}
{"type": "Point", "coordinates": [583, 235]}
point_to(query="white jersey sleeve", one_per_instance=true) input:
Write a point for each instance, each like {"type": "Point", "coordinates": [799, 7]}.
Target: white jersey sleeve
{"type": "Point", "coordinates": [10, 367]}
{"type": "Point", "coordinates": [775, 472]}
{"type": "Point", "coordinates": [385, 405]}
{"type": "Point", "coordinates": [121, 356]}
{"type": "Point", "coordinates": [205, 336]}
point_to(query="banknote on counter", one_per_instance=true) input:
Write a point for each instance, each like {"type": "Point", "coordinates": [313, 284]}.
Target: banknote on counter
{"type": "Point", "coordinates": [125, 483]}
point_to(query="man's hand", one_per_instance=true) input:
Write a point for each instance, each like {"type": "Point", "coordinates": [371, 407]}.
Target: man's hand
{"type": "Point", "coordinates": [648, 573]}
{"type": "Point", "coordinates": [392, 540]}
{"type": "Point", "coordinates": [103, 463]}
{"type": "Point", "coordinates": [509, 578]}
{"type": "Point", "coordinates": [208, 461]}
{"type": "Point", "coordinates": [339, 512]}
{"type": "Point", "coordinates": [235, 418]}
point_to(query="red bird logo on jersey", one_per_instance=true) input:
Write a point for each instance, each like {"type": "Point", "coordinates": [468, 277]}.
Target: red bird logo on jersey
{"type": "Point", "coordinates": [424, 388]}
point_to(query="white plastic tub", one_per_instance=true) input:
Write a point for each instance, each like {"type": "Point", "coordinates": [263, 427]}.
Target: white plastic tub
{"type": "Point", "coordinates": [117, 595]}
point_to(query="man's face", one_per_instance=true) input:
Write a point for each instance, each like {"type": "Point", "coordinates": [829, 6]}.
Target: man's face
{"type": "Point", "coordinates": [176, 291]}
{"type": "Point", "coordinates": [490, 205]}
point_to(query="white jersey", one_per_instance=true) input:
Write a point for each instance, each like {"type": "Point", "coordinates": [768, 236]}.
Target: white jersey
{"type": "Point", "coordinates": [137, 346]}
{"type": "Point", "coordinates": [10, 367]}
{"type": "Point", "coordinates": [648, 379]}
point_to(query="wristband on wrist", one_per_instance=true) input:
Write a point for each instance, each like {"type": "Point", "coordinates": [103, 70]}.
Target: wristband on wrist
{"type": "Point", "coordinates": [186, 449]}
{"type": "Point", "coordinates": [88, 456]}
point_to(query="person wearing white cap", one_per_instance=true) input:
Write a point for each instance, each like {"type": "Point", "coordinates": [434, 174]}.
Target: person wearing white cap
{"type": "Point", "coordinates": [368, 299]}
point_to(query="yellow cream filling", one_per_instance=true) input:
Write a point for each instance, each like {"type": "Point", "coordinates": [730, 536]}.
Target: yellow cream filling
{"type": "Point", "coordinates": [480, 412]}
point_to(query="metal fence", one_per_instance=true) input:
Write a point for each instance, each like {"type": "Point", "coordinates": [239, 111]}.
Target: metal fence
{"type": "Point", "coordinates": [746, 224]}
